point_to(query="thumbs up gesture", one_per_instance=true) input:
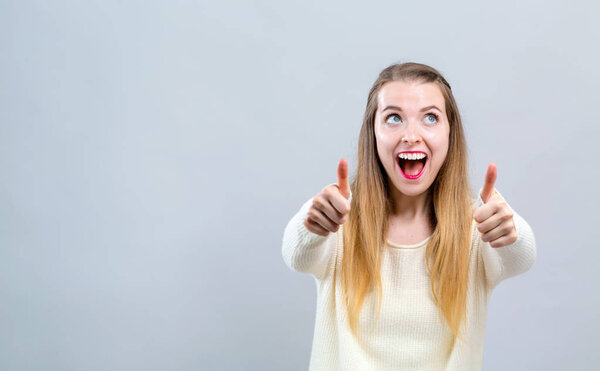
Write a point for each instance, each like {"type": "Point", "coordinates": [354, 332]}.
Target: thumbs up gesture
{"type": "Point", "coordinates": [331, 205]}
{"type": "Point", "coordinates": [494, 218]}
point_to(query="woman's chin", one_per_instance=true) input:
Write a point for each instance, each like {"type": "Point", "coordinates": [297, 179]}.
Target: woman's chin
{"type": "Point", "coordinates": [411, 190]}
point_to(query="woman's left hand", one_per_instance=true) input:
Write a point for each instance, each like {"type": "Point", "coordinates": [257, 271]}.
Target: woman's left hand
{"type": "Point", "coordinates": [494, 218]}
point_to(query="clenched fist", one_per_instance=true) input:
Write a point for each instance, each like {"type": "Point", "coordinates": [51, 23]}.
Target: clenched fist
{"type": "Point", "coordinates": [494, 218]}
{"type": "Point", "coordinates": [331, 205]}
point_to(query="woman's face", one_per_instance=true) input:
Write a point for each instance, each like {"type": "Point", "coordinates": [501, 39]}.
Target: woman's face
{"type": "Point", "coordinates": [411, 119]}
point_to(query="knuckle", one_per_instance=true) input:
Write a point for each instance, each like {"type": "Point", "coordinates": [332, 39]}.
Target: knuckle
{"type": "Point", "coordinates": [332, 191]}
{"type": "Point", "coordinates": [332, 225]}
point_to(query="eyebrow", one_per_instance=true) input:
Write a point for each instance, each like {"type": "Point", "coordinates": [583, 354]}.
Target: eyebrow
{"type": "Point", "coordinates": [422, 109]}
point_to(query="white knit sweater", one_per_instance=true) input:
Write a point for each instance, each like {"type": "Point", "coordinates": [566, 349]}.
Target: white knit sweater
{"type": "Point", "coordinates": [409, 335]}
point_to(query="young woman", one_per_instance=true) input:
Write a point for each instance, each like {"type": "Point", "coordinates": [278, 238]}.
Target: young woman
{"type": "Point", "coordinates": [405, 258]}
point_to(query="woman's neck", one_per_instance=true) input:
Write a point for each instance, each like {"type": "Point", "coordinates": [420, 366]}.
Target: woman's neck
{"type": "Point", "coordinates": [411, 207]}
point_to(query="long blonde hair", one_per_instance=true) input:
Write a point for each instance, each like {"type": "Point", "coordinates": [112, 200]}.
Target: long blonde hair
{"type": "Point", "coordinates": [448, 249]}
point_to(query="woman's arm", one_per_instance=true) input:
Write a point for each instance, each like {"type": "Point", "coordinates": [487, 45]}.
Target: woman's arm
{"type": "Point", "coordinates": [510, 260]}
{"type": "Point", "coordinates": [304, 251]}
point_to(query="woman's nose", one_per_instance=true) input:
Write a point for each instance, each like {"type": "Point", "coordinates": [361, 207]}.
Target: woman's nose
{"type": "Point", "coordinates": [411, 134]}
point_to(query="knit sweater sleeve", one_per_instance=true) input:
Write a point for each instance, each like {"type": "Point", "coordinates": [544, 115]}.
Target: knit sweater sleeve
{"type": "Point", "coordinates": [304, 251]}
{"type": "Point", "coordinates": [508, 261]}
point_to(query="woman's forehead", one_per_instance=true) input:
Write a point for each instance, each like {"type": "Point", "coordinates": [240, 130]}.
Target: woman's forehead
{"type": "Point", "coordinates": [410, 95]}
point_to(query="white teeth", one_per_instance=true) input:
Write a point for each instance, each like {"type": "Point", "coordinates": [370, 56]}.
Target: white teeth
{"type": "Point", "coordinates": [412, 156]}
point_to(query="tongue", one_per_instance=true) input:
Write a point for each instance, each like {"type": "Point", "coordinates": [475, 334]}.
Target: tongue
{"type": "Point", "coordinates": [412, 167]}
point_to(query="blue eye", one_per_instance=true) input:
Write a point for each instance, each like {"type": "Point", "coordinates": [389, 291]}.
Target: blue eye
{"type": "Point", "coordinates": [434, 116]}
{"type": "Point", "coordinates": [393, 121]}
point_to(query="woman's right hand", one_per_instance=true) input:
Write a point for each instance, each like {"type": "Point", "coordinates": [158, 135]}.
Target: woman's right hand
{"type": "Point", "coordinates": [331, 205]}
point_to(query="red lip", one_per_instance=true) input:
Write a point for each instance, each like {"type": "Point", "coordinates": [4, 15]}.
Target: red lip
{"type": "Point", "coordinates": [420, 172]}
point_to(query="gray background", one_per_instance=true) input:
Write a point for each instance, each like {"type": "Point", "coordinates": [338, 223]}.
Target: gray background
{"type": "Point", "coordinates": [152, 153]}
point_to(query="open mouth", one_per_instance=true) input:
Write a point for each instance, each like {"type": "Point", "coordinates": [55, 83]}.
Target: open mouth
{"type": "Point", "coordinates": [412, 164]}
